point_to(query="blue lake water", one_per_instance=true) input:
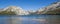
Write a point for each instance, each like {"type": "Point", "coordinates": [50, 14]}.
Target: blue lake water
{"type": "Point", "coordinates": [30, 19]}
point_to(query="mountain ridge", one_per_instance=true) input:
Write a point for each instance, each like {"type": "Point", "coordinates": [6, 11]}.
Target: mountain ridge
{"type": "Point", "coordinates": [16, 10]}
{"type": "Point", "coordinates": [51, 9]}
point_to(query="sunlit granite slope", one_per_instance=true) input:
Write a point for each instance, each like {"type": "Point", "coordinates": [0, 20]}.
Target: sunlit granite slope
{"type": "Point", "coordinates": [54, 8]}
{"type": "Point", "coordinates": [14, 10]}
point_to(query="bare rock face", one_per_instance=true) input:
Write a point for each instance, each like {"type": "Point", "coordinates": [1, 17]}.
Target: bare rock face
{"type": "Point", "coordinates": [51, 9]}
{"type": "Point", "coordinates": [16, 10]}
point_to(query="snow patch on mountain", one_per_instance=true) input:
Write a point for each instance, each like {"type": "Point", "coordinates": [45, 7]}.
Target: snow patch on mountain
{"type": "Point", "coordinates": [17, 10]}
{"type": "Point", "coordinates": [51, 7]}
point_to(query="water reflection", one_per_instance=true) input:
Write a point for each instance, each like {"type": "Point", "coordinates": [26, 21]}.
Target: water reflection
{"type": "Point", "coordinates": [26, 20]}
{"type": "Point", "coordinates": [40, 19]}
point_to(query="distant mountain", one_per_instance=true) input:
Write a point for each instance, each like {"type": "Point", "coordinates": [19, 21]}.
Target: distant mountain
{"type": "Point", "coordinates": [54, 8]}
{"type": "Point", "coordinates": [14, 10]}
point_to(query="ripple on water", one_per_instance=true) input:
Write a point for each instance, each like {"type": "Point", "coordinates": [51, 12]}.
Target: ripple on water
{"type": "Point", "coordinates": [30, 19]}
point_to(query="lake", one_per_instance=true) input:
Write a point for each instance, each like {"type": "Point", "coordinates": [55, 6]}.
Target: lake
{"type": "Point", "coordinates": [30, 19]}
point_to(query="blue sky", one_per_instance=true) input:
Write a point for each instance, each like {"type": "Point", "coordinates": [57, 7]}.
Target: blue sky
{"type": "Point", "coordinates": [26, 4]}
